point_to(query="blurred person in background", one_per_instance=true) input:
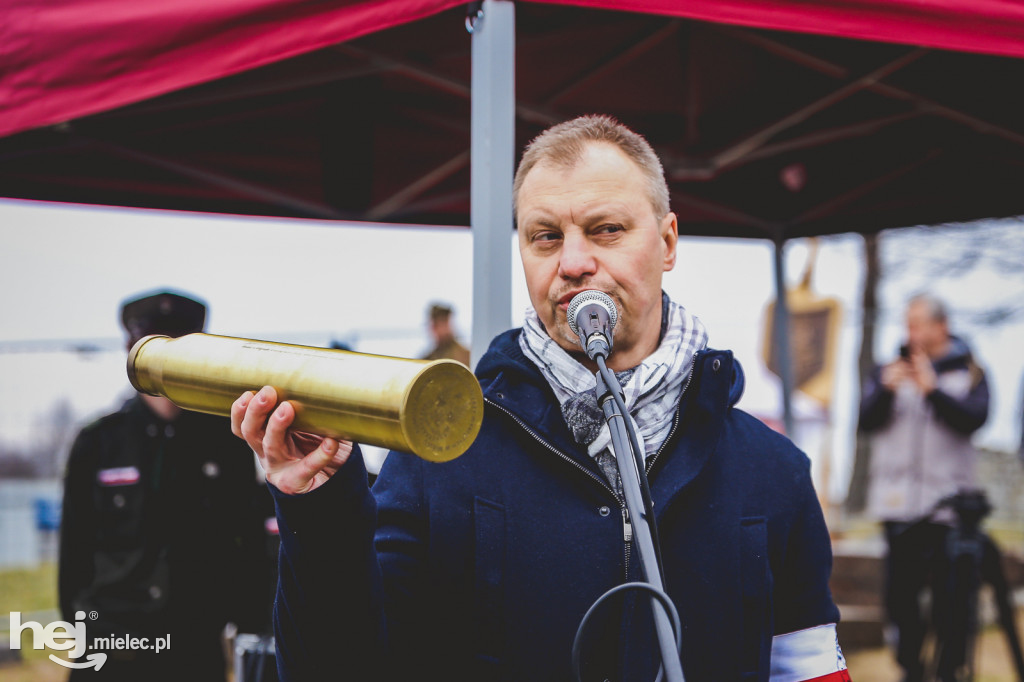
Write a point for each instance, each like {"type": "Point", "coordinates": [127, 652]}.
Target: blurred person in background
{"type": "Point", "coordinates": [922, 409]}
{"type": "Point", "coordinates": [446, 346]}
{"type": "Point", "coordinates": [163, 529]}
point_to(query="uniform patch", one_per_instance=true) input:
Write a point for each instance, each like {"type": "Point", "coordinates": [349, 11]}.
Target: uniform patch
{"type": "Point", "coordinates": [118, 476]}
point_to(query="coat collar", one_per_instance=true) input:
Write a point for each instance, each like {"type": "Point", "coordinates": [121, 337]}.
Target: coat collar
{"type": "Point", "coordinates": [716, 386]}
{"type": "Point", "coordinates": [513, 384]}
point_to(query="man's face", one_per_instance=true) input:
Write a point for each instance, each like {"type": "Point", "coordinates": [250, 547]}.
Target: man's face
{"type": "Point", "coordinates": [592, 226]}
{"type": "Point", "coordinates": [924, 332]}
{"type": "Point", "coordinates": [440, 328]}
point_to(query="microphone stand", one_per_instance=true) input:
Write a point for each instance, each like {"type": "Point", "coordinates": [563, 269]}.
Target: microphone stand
{"type": "Point", "coordinates": [630, 463]}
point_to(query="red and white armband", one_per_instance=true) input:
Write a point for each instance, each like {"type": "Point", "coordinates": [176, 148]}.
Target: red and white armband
{"type": "Point", "coordinates": [811, 655]}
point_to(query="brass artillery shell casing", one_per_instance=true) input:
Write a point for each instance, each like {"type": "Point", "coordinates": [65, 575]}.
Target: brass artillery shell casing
{"type": "Point", "coordinates": [431, 409]}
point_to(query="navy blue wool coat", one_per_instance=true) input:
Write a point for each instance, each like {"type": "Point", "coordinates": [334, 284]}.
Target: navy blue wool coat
{"type": "Point", "coordinates": [482, 568]}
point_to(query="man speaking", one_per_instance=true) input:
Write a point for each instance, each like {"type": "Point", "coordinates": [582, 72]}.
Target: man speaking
{"type": "Point", "coordinates": [483, 567]}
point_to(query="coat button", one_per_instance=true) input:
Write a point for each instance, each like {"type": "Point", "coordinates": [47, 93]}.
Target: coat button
{"type": "Point", "coordinates": [716, 365]}
{"type": "Point", "coordinates": [604, 511]}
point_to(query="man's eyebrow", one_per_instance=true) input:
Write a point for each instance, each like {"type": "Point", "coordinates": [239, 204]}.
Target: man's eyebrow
{"type": "Point", "coordinates": [603, 214]}
{"type": "Point", "coordinates": [541, 221]}
{"type": "Point", "coordinates": [542, 218]}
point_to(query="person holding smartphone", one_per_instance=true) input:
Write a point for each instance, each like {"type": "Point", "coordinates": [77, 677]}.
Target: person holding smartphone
{"type": "Point", "coordinates": [922, 409]}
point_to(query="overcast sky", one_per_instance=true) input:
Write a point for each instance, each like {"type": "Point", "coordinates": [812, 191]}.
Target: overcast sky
{"type": "Point", "coordinates": [65, 269]}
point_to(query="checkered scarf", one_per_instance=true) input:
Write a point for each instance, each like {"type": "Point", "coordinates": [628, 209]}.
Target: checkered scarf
{"type": "Point", "coordinates": [652, 389]}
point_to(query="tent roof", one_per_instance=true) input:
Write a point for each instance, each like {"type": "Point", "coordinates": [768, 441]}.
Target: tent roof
{"type": "Point", "coordinates": [64, 59]}
{"type": "Point", "coordinates": [311, 109]}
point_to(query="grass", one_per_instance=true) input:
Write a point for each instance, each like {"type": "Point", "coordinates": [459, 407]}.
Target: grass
{"type": "Point", "coordinates": [29, 589]}
{"type": "Point", "coordinates": [42, 670]}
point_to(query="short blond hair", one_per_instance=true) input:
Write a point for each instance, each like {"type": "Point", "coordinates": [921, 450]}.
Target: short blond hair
{"type": "Point", "coordinates": [563, 145]}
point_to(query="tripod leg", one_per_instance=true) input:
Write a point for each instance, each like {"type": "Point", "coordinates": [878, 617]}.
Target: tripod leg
{"type": "Point", "coordinates": [992, 573]}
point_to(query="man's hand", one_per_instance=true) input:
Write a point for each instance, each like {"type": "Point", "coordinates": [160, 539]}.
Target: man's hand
{"type": "Point", "coordinates": [924, 373]}
{"type": "Point", "coordinates": [295, 462]}
{"type": "Point", "coordinates": [895, 373]}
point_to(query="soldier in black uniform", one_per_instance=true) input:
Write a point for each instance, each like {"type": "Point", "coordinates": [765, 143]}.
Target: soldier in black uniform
{"type": "Point", "coordinates": [163, 526]}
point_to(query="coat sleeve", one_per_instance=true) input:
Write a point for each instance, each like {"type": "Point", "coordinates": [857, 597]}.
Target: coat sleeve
{"type": "Point", "coordinates": [875, 403]}
{"type": "Point", "coordinates": [348, 573]}
{"type": "Point", "coordinates": [250, 596]}
{"type": "Point", "coordinates": [327, 613]}
{"type": "Point", "coordinates": [805, 646]}
{"type": "Point", "coordinates": [966, 414]}
{"type": "Point", "coordinates": [78, 524]}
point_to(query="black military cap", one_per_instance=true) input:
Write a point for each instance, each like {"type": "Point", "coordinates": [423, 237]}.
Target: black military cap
{"type": "Point", "coordinates": [162, 312]}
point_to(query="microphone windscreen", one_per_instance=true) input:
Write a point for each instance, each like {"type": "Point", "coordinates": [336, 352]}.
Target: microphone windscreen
{"type": "Point", "coordinates": [591, 296]}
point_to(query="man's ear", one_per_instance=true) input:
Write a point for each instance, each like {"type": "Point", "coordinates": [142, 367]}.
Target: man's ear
{"type": "Point", "coordinates": [670, 235]}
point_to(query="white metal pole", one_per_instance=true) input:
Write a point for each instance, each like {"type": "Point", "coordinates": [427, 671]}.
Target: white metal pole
{"type": "Point", "coordinates": [492, 161]}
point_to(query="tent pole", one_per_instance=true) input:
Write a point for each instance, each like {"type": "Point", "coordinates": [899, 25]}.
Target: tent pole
{"type": "Point", "coordinates": [781, 342]}
{"type": "Point", "coordinates": [492, 158]}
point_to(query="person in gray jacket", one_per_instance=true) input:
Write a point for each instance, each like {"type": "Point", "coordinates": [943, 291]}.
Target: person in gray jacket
{"type": "Point", "coordinates": [922, 409]}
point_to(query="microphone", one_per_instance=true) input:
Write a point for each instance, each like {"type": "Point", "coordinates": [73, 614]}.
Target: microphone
{"type": "Point", "coordinates": [592, 316]}
{"type": "Point", "coordinates": [431, 409]}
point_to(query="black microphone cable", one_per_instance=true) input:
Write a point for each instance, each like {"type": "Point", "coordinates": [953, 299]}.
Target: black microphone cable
{"type": "Point", "coordinates": [660, 595]}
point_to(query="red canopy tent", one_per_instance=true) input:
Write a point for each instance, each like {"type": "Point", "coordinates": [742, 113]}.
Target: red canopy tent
{"type": "Point", "coordinates": [65, 59]}
{"type": "Point", "coordinates": [771, 120]}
